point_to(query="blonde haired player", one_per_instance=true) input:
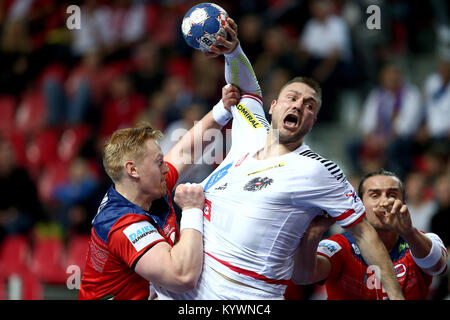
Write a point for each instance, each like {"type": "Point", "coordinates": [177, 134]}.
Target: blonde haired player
{"type": "Point", "coordinates": [135, 238]}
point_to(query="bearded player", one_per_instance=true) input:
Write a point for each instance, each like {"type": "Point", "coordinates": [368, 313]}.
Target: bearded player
{"type": "Point", "coordinates": [271, 185]}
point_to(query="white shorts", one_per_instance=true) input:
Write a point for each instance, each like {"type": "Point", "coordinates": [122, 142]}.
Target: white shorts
{"type": "Point", "coordinates": [212, 286]}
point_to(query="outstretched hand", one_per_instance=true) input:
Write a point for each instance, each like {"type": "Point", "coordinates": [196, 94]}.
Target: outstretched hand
{"type": "Point", "coordinates": [395, 216]}
{"type": "Point", "coordinates": [225, 46]}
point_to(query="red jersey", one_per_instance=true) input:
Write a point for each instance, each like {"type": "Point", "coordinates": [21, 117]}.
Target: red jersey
{"type": "Point", "coordinates": [352, 279]}
{"type": "Point", "coordinates": [123, 232]}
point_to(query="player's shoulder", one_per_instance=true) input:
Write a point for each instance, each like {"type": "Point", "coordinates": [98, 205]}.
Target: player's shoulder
{"type": "Point", "coordinates": [318, 166]}
{"type": "Point", "coordinates": [333, 245]}
{"type": "Point", "coordinates": [112, 208]}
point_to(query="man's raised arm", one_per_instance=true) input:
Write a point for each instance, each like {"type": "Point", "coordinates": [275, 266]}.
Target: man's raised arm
{"type": "Point", "coordinates": [238, 69]}
{"type": "Point", "coordinates": [374, 253]}
{"type": "Point", "coordinates": [182, 155]}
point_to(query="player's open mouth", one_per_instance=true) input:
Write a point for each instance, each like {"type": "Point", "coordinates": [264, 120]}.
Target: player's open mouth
{"type": "Point", "coordinates": [290, 121]}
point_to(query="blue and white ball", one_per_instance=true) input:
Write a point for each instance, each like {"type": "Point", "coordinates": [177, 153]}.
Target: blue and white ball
{"type": "Point", "coordinates": [202, 23]}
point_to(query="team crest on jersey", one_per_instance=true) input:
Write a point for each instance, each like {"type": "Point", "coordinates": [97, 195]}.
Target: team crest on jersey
{"type": "Point", "coordinates": [258, 184]}
{"type": "Point", "coordinates": [400, 270]}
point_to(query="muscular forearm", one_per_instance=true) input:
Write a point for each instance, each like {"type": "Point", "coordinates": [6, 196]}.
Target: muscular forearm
{"type": "Point", "coordinates": [187, 258]}
{"type": "Point", "coordinates": [184, 154]}
{"type": "Point", "coordinates": [375, 254]}
{"type": "Point", "coordinates": [421, 246]}
{"type": "Point", "coordinates": [310, 267]}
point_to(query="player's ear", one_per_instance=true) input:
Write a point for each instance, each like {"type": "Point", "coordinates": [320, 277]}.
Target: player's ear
{"type": "Point", "coordinates": [131, 168]}
{"type": "Point", "coordinates": [272, 105]}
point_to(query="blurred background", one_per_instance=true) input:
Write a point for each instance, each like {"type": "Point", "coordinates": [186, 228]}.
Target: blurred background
{"type": "Point", "coordinates": [63, 92]}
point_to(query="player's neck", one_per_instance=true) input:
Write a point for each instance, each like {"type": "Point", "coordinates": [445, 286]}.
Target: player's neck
{"type": "Point", "coordinates": [273, 147]}
{"type": "Point", "coordinates": [389, 238]}
{"type": "Point", "coordinates": [133, 195]}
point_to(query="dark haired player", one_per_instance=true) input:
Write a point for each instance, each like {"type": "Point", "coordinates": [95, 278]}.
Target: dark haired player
{"type": "Point", "coordinates": [416, 256]}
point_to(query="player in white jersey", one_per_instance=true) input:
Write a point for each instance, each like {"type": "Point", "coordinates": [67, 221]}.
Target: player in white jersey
{"type": "Point", "coordinates": [262, 197]}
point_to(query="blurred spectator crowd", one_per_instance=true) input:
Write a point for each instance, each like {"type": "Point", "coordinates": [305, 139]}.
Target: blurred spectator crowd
{"type": "Point", "coordinates": [63, 92]}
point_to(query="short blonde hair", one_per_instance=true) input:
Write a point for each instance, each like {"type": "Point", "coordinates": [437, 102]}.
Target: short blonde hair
{"type": "Point", "coordinates": [126, 144]}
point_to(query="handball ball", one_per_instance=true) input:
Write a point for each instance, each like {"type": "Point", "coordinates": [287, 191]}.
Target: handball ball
{"type": "Point", "coordinates": [202, 23]}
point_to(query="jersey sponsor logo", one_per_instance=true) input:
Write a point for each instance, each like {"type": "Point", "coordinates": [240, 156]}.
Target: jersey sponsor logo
{"type": "Point", "coordinates": [248, 116]}
{"type": "Point", "coordinates": [268, 168]}
{"type": "Point", "coordinates": [141, 234]}
{"type": "Point", "coordinates": [217, 176]}
{"type": "Point", "coordinates": [258, 184]}
{"type": "Point", "coordinates": [328, 247]}
{"type": "Point", "coordinates": [330, 165]}
{"type": "Point", "coordinates": [222, 187]}
{"type": "Point", "coordinates": [400, 270]}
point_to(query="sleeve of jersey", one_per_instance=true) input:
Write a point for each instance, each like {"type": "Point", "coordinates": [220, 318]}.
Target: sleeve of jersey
{"type": "Point", "coordinates": [131, 237]}
{"type": "Point", "coordinates": [334, 249]}
{"type": "Point", "coordinates": [239, 71]}
{"type": "Point", "coordinates": [171, 177]}
{"type": "Point", "coordinates": [250, 127]}
{"type": "Point", "coordinates": [326, 187]}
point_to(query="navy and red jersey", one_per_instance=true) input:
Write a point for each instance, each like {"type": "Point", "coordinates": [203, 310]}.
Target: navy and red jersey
{"type": "Point", "coordinates": [352, 279]}
{"type": "Point", "coordinates": [123, 232]}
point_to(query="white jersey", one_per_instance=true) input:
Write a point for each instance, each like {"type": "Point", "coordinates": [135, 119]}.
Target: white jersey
{"type": "Point", "coordinates": [256, 211]}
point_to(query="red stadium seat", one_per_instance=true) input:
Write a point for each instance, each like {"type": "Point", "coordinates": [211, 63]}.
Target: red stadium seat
{"type": "Point", "coordinates": [42, 149]}
{"type": "Point", "coordinates": [50, 177]}
{"type": "Point", "coordinates": [14, 255]}
{"type": "Point", "coordinates": [48, 260]}
{"type": "Point", "coordinates": [18, 143]}
{"type": "Point", "coordinates": [8, 112]}
{"type": "Point", "coordinates": [27, 287]}
{"type": "Point", "coordinates": [77, 251]}
{"type": "Point", "coordinates": [3, 293]}
{"type": "Point", "coordinates": [32, 288]}
{"type": "Point", "coordinates": [32, 112]}
{"type": "Point", "coordinates": [72, 140]}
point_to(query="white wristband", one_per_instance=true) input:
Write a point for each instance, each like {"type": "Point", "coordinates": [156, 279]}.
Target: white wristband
{"type": "Point", "coordinates": [192, 219]}
{"type": "Point", "coordinates": [220, 114]}
{"type": "Point", "coordinates": [431, 259]}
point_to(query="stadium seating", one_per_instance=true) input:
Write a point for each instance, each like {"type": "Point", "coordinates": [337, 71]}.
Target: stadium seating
{"type": "Point", "coordinates": [14, 255]}
{"type": "Point", "coordinates": [77, 251]}
{"type": "Point", "coordinates": [8, 112]}
{"type": "Point", "coordinates": [47, 261]}
{"type": "Point", "coordinates": [32, 112]}
{"type": "Point", "coordinates": [72, 140]}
